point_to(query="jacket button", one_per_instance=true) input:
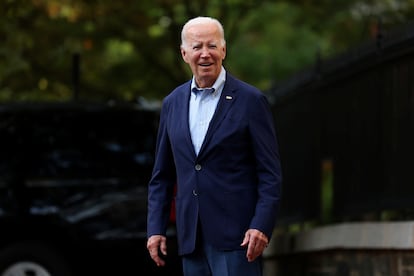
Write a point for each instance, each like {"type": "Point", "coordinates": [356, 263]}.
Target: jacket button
{"type": "Point", "coordinates": [195, 193]}
{"type": "Point", "coordinates": [198, 167]}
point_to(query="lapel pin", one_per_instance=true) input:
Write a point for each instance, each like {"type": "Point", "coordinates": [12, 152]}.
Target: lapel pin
{"type": "Point", "coordinates": [229, 97]}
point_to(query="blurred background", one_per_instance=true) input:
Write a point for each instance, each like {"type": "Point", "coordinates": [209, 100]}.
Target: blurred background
{"type": "Point", "coordinates": [130, 49]}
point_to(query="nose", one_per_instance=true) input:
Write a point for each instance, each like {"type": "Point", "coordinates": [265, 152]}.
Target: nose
{"type": "Point", "coordinates": [205, 52]}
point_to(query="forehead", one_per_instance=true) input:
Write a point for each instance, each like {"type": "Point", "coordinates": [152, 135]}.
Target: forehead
{"type": "Point", "coordinates": [203, 32]}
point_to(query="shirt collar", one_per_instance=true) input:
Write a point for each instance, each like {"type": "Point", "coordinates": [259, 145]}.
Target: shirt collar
{"type": "Point", "coordinates": [218, 84]}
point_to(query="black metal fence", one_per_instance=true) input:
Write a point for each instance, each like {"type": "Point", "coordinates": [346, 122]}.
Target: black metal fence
{"type": "Point", "coordinates": [346, 134]}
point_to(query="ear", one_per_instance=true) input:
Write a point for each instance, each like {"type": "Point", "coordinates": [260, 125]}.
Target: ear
{"type": "Point", "coordinates": [184, 54]}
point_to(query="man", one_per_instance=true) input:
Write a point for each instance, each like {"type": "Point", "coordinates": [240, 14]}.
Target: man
{"type": "Point", "coordinates": [217, 143]}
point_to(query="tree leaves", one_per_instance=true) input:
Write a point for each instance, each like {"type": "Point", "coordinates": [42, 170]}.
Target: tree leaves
{"type": "Point", "coordinates": [130, 49]}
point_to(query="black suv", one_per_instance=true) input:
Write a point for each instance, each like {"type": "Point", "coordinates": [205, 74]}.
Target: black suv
{"type": "Point", "coordinates": [73, 190]}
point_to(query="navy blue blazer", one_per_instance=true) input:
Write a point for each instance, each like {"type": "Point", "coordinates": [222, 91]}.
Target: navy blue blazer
{"type": "Point", "coordinates": [232, 185]}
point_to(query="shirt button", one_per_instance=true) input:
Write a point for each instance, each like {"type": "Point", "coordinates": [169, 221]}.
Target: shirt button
{"type": "Point", "coordinates": [198, 167]}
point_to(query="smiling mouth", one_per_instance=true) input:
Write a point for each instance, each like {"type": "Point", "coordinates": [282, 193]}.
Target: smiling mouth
{"type": "Point", "coordinates": [206, 64]}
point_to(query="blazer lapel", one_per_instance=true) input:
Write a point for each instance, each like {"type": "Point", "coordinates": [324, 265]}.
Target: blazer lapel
{"type": "Point", "coordinates": [184, 107]}
{"type": "Point", "coordinates": [227, 99]}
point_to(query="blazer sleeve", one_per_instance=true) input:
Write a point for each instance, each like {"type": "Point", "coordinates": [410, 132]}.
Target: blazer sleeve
{"type": "Point", "coordinates": [161, 185]}
{"type": "Point", "coordinates": [266, 152]}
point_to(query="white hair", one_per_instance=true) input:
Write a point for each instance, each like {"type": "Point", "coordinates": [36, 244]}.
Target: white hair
{"type": "Point", "coordinates": [201, 20]}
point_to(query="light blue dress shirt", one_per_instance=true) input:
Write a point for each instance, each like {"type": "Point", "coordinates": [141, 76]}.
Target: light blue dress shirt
{"type": "Point", "coordinates": [203, 103]}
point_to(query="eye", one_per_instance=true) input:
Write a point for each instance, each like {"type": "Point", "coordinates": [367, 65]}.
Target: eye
{"type": "Point", "coordinates": [212, 46]}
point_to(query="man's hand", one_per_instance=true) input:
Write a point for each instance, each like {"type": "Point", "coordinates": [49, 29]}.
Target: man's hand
{"type": "Point", "coordinates": [256, 243]}
{"type": "Point", "coordinates": [155, 244]}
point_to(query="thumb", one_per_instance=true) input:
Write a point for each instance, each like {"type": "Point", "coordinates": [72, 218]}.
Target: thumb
{"type": "Point", "coordinates": [163, 246]}
{"type": "Point", "coordinates": [246, 239]}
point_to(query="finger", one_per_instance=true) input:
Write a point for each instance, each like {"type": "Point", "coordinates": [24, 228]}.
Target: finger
{"type": "Point", "coordinates": [156, 258]}
{"type": "Point", "coordinates": [163, 246]}
{"type": "Point", "coordinates": [250, 251]}
{"type": "Point", "coordinates": [255, 252]}
{"type": "Point", "coordinates": [255, 249]}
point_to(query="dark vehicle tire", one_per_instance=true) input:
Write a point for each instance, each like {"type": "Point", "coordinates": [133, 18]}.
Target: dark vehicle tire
{"type": "Point", "coordinates": [31, 259]}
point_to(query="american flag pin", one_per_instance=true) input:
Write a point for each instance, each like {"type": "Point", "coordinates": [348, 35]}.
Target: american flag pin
{"type": "Point", "coordinates": [229, 97]}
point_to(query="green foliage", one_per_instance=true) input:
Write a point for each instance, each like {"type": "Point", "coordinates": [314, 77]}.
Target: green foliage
{"type": "Point", "coordinates": [271, 49]}
{"type": "Point", "coordinates": [130, 49]}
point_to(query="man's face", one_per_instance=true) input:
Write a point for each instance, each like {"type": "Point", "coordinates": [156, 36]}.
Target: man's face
{"type": "Point", "coordinates": [204, 51]}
